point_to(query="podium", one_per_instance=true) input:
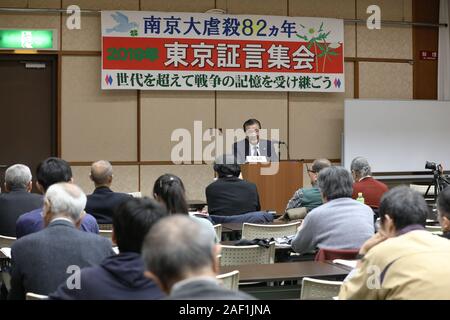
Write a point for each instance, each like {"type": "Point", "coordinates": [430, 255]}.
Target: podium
{"type": "Point", "coordinates": [275, 190]}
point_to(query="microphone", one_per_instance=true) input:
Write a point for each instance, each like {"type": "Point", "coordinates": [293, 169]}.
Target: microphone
{"type": "Point", "coordinates": [287, 150]}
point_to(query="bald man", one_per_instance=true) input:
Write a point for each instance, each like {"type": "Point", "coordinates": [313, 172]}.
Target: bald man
{"type": "Point", "coordinates": [103, 201]}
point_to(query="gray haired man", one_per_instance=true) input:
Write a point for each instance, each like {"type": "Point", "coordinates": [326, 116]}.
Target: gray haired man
{"type": "Point", "coordinates": [181, 257]}
{"type": "Point", "coordinates": [341, 222]}
{"type": "Point", "coordinates": [17, 198]}
{"type": "Point", "coordinates": [371, 190]}
{"type": "Point", "coordinates": [41, 261]}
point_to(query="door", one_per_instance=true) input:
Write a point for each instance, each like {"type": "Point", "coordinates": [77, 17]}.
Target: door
{"type": "Point", "coordinates": [27, 110]}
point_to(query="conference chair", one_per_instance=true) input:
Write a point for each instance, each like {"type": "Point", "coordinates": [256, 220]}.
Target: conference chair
{"type": "Point", "coordinates": [34, 296]}
{"type": "Point", "coordinates": [240, 255]}
{"type": "Point", "coordinates": [6, 241]}
{"type": "Point", "coordinates": [332, 254]}
{"type": "Point", "coordinates": [434, 229]}
{"type": "Point", "coordinates": [136, 194]}
{"type": "Point", "coordinates": [105, 233]}
{"type": "Point", "coordinates": [252, 231]}
{"type": "Point", "coordinates": [218, 230]}
{"type": "Point", "coordinates": [105, 226]}
{"type": "Point", "coordinates": [315, 289]}
{"type": "Point", "coordinates": [230, 280]}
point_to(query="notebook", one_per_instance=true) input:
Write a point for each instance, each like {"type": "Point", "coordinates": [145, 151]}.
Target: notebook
{"type": "Point", "coordinates": [348, 263]}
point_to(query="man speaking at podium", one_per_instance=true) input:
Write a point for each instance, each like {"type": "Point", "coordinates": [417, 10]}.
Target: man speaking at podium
{"type": "Point", "coordinates": [252, 145]}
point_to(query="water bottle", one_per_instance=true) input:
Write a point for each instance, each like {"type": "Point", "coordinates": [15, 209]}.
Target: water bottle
{"type": "Point", "coordinates": [360, 198]}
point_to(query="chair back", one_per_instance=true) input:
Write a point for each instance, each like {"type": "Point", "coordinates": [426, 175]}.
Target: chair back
{"type": "Point", "coordinates": [105, 226]}
{"type": "Point", "coordinates": [230, 280]}
{"type": "Point", "coordinates": [315, 289]}
{"type": "Point", "coordinates": [239, 255]}
{"type": "Point", "coordinates": [331, 254]}
{"type": "Point", "coordinates": [34, 296]}
{"type": "Point", "coordinates": [434, 229]}
{"type": "Point", "coordinates": [105, 233]}
{"type": "Point", "coordinates": [6, 241]}
{"type": "Point", "coordinates": [252, 231]}
{"type": "Point", "coordinates": [136, 194]}
{"type": "Point", "coordinates": [218, 230]}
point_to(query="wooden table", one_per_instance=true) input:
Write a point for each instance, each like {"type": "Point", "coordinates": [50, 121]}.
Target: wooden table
{"type": "Point", "coordinates": [286, 271]}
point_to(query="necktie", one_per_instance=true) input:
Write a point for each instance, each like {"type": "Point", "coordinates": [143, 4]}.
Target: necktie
{"type": "Point", "coordinates": [255, 151]}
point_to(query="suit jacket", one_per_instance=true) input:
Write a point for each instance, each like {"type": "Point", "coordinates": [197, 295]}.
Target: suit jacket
{"type": "Point", "coordinates": [40, 261]}
{"type": "Point", "coordinates": [33, 221]}
{"type": "Point", "coordinates": [12, 205]}
{"type": "Point", "coordinates": [118, 277]}
{"type": "Point", "coordinates": [102, 203]}
{"type": "Point", "coordinates": [205, 289]}
{"type": "Point", "coordinates": [241, 149]}
{"type": "Point", "coordinates": [231, 196]}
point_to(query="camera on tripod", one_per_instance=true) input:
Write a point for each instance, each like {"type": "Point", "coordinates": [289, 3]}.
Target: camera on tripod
{"type": "Point", "coordinates": [432, 166]}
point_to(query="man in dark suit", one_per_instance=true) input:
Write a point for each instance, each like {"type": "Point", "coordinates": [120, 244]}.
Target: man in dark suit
{"type": "Point", "coordinates": [252, 145]}
{"type": "Point", "coordinates": [43, 260]}
{"type": "Point", "coordinates": [18, 198]}
{"type": "Point", "coordinates": [121, 277]}
{"type": "Point", "coordinates": [181, 257]}
{"type": "Point", "coordinates": [102, 203]}
{"type": "Point", "coordinates": [229, 195]}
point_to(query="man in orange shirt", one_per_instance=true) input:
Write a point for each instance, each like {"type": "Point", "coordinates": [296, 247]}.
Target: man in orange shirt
{"type": "Point", "coordinates": [372, 190]}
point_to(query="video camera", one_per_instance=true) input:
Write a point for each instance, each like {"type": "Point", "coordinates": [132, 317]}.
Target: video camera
{"type": "Point", "coordinates": [432, 166]}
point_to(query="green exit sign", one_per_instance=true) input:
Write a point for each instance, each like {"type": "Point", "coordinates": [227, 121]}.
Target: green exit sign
{"type": "Point", "coordinates": [27, 39]}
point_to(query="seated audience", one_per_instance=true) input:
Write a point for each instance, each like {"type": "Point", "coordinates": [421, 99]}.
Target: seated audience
{"type": "Point", "coordinates": [443, 205]}
{"type": "Point", "coordinates": [50, 171]}
{"type": "Point", "coordinates": [229, 195]}
{"type": "Point", "coordinates": [17, 198]}
{"type": "Point", "coordinates": [169, 191]}
{"type": "Point", "coordinates": [306, 199]}
{"type": "Point", "coordinates": [181, 257]}
{"type": "Point", "coordinates": [372, 190]}
{"type": "Point", "coordinates": [121, 277]}
{"type": "Point", "coordinates": [403, 260]}
{"type": "Point", "coordinates": [341, 222]}
{"type": "Point", "coordinates": [43, 260]}
{"type": "Point", "coordinates": [103, 201]}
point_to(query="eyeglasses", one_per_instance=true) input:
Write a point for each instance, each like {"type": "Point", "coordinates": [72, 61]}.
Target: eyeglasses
{"type": "Point", "coordinates": [309, 170]}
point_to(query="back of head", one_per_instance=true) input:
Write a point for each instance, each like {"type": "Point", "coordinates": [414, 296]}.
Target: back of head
{"type": "Point", "coordinates": [101, 172]}
{"type": "Point", "coordinates": [404, 206]}
{"type": "Point", "coordinates": [335, 182]}
{"type": "Point", "coordinates": [170, 190]}
{"type": "Point", "coordinates": [361, 167]}
{"type": "Point", "coordinates": [320, 164]}
{"type": "Point", "coordinates": [53, 170]}
{"type": "Point", "coordinates": [176, 247]}
{"type": "Point", "coordinates": [65, 199]}
{"type": "Point", "coordinates": [133, 219]}
{"type": "Point", "coordinates": [227, 166]}
{"type": "Point", "coordinates": [444, 203]}
{"type": "Point", "coordinates": [17, 177]}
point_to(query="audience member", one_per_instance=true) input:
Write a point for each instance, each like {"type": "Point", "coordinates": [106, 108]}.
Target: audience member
{"type": "Point", "coordinates": [103, 201]}
{"type": "Point", "coordinates": [181, 257]}
{"type": "Point", "coordinates": [372, 190]}
{"type": "Point", "coordinates": [17, 199]}
{"type": "Point", "coordinates": [169, 190]}
{"type": "Point", "coordinates": [43, 260]}
{"type": "Point", "coordinates": [402, 261]}
{"type": "Point", "coordinates": [307, 199]}
{"type": "Point", "coordinates": [50, 171]}
{"type": "Point", "coordinates": [229, 195]}
{"type": "Point", "coordinates": [121, 277]}
{"type": "Point", "coordinates": [443, 205]}
{"type": "Point", "coordinates": [341, 222]}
